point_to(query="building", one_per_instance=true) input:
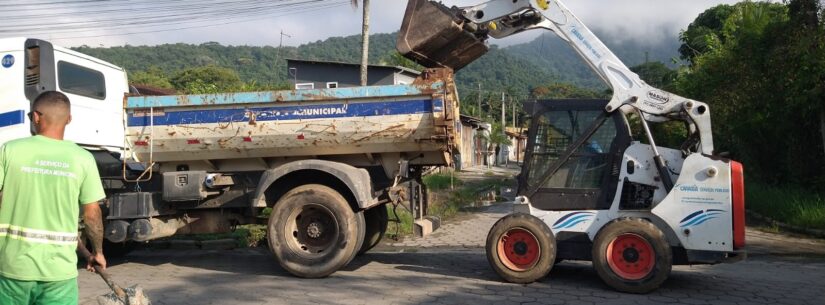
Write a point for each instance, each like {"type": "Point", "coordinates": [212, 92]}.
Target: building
{"type": "Point", "coordinates": [518, 140]}
{"type": "Point", "coordinates": [314, 74]}
{"type": "Point", "coordinates": [474, 150]}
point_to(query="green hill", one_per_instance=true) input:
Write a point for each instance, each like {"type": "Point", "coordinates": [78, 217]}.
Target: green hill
{"type": "Point", "coordinates": [520, 67]}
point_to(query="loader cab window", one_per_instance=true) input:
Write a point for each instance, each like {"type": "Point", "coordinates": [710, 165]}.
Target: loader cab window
{"type": "Point", "coordinates": [574, 149]}
{"type": "Point", "coordinates": [80, 80]}
{"type": "Point", "coordinates": [555, 132]}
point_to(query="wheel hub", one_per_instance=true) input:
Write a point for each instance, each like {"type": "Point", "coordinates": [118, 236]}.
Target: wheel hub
{"type": "Point", "coordinates": [631, 256]}
{"type": "Point", "coordinates": [311, 230]}
{"type": "Point", "coordinates": [315, 229]}
{"type": "Point", "coordinates": [518, 249]}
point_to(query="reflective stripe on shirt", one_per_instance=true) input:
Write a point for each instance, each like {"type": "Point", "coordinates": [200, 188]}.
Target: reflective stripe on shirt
{"type": "Point", "coordinates": [38, 236]}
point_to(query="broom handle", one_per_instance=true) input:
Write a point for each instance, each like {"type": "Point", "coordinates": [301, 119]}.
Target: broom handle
{"type": "Point", "coordinates": [103, 274]}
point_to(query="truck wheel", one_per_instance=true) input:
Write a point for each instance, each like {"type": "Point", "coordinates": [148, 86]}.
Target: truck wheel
{"type": "Point", "coordinates": [521, 248]}
{"type": "Point", "coordinates": [376, 226]}
{"type": "Point", "coordinates": [313, 232]}
{"type": "Point", "coordinates": [632, 255]}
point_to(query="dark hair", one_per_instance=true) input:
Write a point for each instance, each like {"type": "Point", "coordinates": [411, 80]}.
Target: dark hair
{"type": "Point", "coordinates": [51, 98]}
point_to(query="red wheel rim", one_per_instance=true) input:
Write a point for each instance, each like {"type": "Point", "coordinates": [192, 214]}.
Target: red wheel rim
{"type": "Point", "coordinates": [518, 249]}
{"type": "Point", "coordinates": [631, 256]}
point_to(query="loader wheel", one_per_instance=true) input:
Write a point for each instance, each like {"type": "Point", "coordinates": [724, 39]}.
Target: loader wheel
{"type": "Point", "coordinates": [632, 255]}
{"type": "Point", "coordinates": [313, 232]}
{"type": "Point", "coordinates": [521, 248]}
{"type": "Point", "coordinates": [376, 225]}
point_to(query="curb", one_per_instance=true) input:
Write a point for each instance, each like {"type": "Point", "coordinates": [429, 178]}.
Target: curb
{"type": "Point", "coordinates": [792, 228]}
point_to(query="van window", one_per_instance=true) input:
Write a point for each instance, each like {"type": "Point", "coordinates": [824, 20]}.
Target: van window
{"type": "Point", "coordinates": [80, 80]}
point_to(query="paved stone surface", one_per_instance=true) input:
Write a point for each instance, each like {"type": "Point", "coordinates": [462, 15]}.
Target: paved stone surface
{"type": "Point", "coordinates": [449, 267]}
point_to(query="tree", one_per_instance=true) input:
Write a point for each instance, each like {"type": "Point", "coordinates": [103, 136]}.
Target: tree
{"type": "Point", "coordinates": [153, 76]}
{"type": "Point", "coordinates": [764, 80]}
{"type": "Point", "coordinates": [207, 79]}
{"type": "Point", "coordinates": [655, 74]}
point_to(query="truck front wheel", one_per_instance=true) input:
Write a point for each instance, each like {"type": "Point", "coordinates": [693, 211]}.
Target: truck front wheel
{"type": "Point", "coordinates": [313, 232]}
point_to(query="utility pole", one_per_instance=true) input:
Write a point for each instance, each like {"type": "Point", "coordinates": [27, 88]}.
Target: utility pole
{"type": "Point", "coordinates": [365, 42]}
{"type": "Point", "coordinates": [479, 101]}
{"type": "Point", "coordinates": [501, 153]}
{"type": "Point", "coordinates": [514, 113]}
{"type": "Point", "coordinates": [281, 44]}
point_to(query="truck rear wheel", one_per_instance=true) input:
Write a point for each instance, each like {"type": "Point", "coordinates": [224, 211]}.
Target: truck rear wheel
{"type": "Point", "coordinates": [632, 255]}
{"type": "Point", "coordinates": [521, 248]}
{"type": "Point", "coordinates": [313, 232]}
{"type": "Point", "coordinates": [376, 225]}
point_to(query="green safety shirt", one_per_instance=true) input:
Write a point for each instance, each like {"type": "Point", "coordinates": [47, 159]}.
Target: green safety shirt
{"type": "Point", "coordinates": [44, 181]}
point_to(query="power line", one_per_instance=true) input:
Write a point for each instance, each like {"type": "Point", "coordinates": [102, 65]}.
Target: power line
{"type": "Point", "coordinates": [160, 20]}
{"type": "Point", "coordinates": [150, 17]}
{"type": "Point", "coordinates": [173, 18]}
{"type": "Point", "coordinates": [192, 27]}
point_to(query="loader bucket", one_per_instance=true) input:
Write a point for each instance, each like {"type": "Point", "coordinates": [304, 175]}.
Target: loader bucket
{"type": "Point", "coordinates": [435, 36]}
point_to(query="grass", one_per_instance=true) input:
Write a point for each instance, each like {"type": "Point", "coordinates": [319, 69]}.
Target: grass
{"type": "Point", "coordinates": [247, 236]}
{"type": "Point", "coordinates": [441, 181]}
{"type": "Point", "coordinates": [791, 205]}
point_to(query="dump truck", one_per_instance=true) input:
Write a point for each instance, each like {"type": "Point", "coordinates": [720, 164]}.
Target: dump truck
{"type": "Point", "coordinates": [325, 161]}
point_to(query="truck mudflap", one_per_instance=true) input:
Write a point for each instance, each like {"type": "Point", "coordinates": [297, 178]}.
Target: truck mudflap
{"type": "Point", "coordinates": [435, 36]}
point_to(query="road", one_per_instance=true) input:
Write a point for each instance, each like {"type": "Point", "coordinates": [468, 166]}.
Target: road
{"type": "Point", "coordinates": [449, 267]}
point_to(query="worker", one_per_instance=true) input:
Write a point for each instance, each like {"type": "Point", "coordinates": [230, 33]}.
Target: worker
{"type": "Point", "coordinates": [44, 182]}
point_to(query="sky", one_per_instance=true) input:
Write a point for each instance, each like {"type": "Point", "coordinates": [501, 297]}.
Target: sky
{"type": "Point", "coordinates": [638, 20]}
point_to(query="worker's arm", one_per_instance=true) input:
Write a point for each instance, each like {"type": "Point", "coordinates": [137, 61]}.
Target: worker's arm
{"type": "Point", "coordinates": [93, 220]}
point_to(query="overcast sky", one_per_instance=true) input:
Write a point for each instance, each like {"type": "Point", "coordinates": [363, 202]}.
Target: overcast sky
{"type": "Point", "coordinates": [642, 20]}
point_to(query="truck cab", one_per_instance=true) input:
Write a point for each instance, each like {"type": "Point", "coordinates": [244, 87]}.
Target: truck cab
{"type": "Point", "coordinates": [95, 88]}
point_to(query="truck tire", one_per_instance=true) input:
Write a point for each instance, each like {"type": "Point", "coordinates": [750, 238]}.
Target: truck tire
{"type": "Point", "coordinates": [632, 255]}
{"type": "Point", "coordinates": [313, 231]}
{"type": "Point", "coordinates": [376, 225]}
{"type": "Point", "coordinates": [521, 248]}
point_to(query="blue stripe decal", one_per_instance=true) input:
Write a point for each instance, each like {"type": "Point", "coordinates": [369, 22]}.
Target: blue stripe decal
{"type": "Point", "coordinates": [279, 113]}
{"type": "Point", "coordinates": [565, 217]}
{"type": "Point", "coordinates": [12, 118]}
{"type": "Point", "coordinates": [574, 223]}
{"type": "Point", "coordinates": [691, 216]}
{"type": "Point", "coordinates": [700, 217]}
{"type": "Point", "coordinates": [572, 219]}
{"type": "Point", "coordinates": [567, 223]}
{"type": "Point", "coordinates": [703, 220]}
{"type": "Point", "coordinates": [695, 220]}
{"type": "Point", "coordinates": [285, 96]}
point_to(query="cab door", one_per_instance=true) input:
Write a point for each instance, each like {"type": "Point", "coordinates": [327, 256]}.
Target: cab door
{"type": "Point", "coordinates": [96, 91]}
{"type": "Point", "coordinates": [573, 156]}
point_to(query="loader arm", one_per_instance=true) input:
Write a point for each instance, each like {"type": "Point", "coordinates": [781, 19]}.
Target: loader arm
{"type": "Point", "coordinates": [502, 18]}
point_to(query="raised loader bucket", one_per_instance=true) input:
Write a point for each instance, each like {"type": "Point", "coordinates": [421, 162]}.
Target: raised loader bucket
{"type": "Point", "coordinates": [434, 36]}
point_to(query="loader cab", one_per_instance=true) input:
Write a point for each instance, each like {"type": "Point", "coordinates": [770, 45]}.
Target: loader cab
{"type": "Point", "coordinates": [94, 87]}
{"type": "Point", "coordinates": [573, 156]}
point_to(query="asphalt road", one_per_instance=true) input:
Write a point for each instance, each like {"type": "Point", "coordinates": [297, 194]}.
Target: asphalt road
{"type": "Point", "coordinates": [449, 267]}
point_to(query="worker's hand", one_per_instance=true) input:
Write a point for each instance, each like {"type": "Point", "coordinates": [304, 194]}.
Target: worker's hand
{"type": "Point", "coordinates": [96, 259]}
